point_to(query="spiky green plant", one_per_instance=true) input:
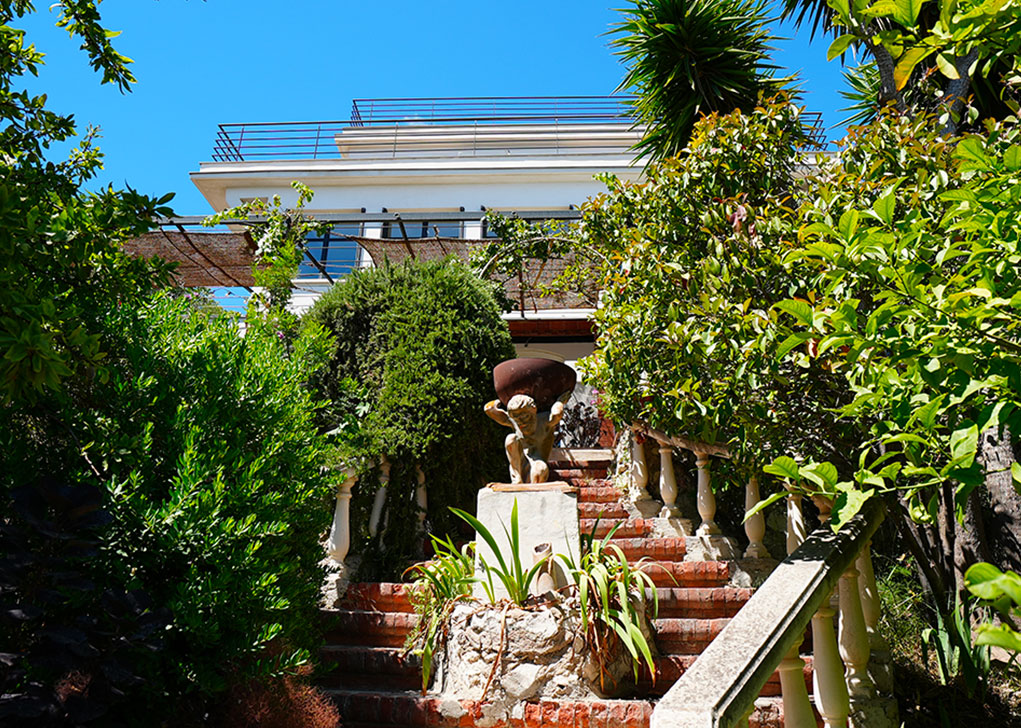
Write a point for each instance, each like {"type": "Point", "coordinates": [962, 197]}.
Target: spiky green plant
{"type": "Point", "coordinates": [612, 595]}
{"type": "Point", "coordinates": [688, 58]}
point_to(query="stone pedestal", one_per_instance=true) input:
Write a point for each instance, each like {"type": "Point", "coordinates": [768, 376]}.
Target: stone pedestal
{"type": "Point", "coordinates": [547, 513]}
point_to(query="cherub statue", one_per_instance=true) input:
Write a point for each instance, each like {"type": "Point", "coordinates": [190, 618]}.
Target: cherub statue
{"type": "Point", "coordinates": [529, 446]}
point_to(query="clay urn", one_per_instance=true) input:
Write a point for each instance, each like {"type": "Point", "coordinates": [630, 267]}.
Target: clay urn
{"type": "Point", "coordinates": [544, 380]}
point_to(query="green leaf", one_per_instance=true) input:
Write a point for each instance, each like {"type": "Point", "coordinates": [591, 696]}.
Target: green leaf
{"type": "Point", "coordinates": [946, 66]}
{"type": "Point", "coordinates": [972, 152]}
{"type": "Point", "coordinates": [784, 467]}
{"type": "Point", "coordinates": [884, 207]}
{"type": "Point", "coordinates": [1012, 158]}
{"type": "Point", "coordinates": [764, 503]}
{"type": "Point", "coordinates": [1015, 473]}
{"type": "Point", "coordinates": [999, 636]}
{"type": "Point", "coordinates": [848, 224]}
{"type": "Point", "coordinates": [963, 443]}
{"type": "Point", "coordinates": [791, 342]}
{"type": "Point", "coordinates": [906, 64]}
{"type": "Point", "coordinates": [847, 504]}
{"type": "Point", "coordinates": [840, 45]}
{"type": "Point", "coordinates": [824, 474]}
{"type": "Point", "coordinates": [906, 12]}
{"type": "Point", "coordinates": [798, 309]}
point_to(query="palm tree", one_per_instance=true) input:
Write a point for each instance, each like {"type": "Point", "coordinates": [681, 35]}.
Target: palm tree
{"type": "Point", "coordinates": [687, 58]}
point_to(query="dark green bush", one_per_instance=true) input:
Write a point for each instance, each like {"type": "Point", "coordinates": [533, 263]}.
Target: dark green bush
{"type": "Point", "coordinates": [415, 348]}
{"type": "Point", "coordinates": [204, 441]}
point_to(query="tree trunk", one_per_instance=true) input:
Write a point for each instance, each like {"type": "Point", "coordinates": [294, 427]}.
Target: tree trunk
{"type": "Point", "coordinates": [1002, 515]}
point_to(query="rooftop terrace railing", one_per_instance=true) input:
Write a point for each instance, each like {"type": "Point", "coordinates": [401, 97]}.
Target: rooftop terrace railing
{"type": "Point", "coordinates": [435, 126]}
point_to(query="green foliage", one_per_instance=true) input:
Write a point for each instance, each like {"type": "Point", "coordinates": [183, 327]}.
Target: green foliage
{"type": "Point", "coordinates": [513, 575]}
{"type": "Point", "coordinates": [205, 443]}
{"type": "Point", "coordinates": [60, 260]}
{"type": "Point", "coordinates": [1002, 592]}
{"type": "Point", "coordinates": [956, 654]}
{"type": "Point", "coordinates": [415, 346]}
{"type": "Point", "coordinates": [688, 58]}
{"type": "Point", "coordinates": [441, 583]}
{"type": "Point", "coordinates": [612, 594]}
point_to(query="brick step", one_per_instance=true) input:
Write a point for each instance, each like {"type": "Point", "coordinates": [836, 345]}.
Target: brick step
{"type": "Point", "coordinates": [572, 474]}
{"type": "Point", "coordinates": [656, 549]}
{"type": "Point", "coordinates": [380, 629]}
{"type": "Point", "coordinates": [365, 667]}
{"type": "Point", "coordinates": [669, 669]}
{"type": "Point", "coordinates": [677, 574]}
{"type": "Point", "coordinates": [634, 528]}
{"type": "Point", "coordinates": [378, 597]}
{"type": "Point", "coordinates": [681, 636]}
{"type": "Point", "coordinates": [598, 492]}
{"type": "Point", "coordinates": [701, 602]}
{"type": "Point", "coordinates": [581, 457]}
{"type": "Point", "coordinates": [605, 509]}
{"type": "Point", "coordinates": [365, 709]}
{"type": "Point", "coordinates": [406, 708]}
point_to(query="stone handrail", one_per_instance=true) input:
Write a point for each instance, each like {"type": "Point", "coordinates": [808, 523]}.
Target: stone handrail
{"type": "Point", "coordinates": [720, 688]}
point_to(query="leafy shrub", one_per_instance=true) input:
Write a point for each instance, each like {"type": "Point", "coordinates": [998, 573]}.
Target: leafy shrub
{"type": "Point", "coordinates": [205, 443]}
{"type": "Point", "coordinates": [415, 347]}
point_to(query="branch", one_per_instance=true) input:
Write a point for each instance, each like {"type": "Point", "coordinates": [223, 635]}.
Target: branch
{"type": "Point", "coordinates": [957, 91]}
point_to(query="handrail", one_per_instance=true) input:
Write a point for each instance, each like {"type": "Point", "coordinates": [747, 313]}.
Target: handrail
{"type": "Point", "coordinates": [720, 688]}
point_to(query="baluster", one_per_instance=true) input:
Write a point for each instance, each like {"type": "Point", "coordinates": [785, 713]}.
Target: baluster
{"type": "Point", "coordinates": [869, 595]}
{"type": "Point", "coordinates": [668, 482]}
{"type": "Point", "coordinates": [639, 470]}
{"type": "Point", "coordinates": [797, 532]}
{"type": "Point", "coordinates": [421, 497]}
{"type": "Point", "coordinates": [706, 498]}
{"type": "Point", "coordinates": [340, 532]}
{"type": "Point", "coordinates": [377, 504]}
{"type": "Point", "coordinates": [854, 638]}
{"type": "Point", "coordinates": [755, 526]}
{"type": "Point", "coordinates": [827, 669]}
{"type": "Point", "coordinates": [797, 709]}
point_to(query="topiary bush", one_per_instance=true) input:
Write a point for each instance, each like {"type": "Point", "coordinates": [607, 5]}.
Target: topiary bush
{"type": "Point", "coordinates": [412, 368]}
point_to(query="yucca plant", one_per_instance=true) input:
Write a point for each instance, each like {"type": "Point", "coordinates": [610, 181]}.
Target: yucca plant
{"type": "Point", "coordinates": [688, 58]}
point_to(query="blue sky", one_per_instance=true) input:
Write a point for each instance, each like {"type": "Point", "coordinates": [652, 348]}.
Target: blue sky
{"type": "Point", "coordinates": [199, 64]}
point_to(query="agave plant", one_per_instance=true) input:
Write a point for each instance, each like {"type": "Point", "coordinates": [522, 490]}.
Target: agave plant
{"type": "Point", "coordinates": [687, 58]}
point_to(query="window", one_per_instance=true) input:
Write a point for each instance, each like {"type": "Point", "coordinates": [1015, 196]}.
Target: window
{"type": "Point", "coordinates": [334, 250]}
{"type": "Point", "coordinates": [415, 230]}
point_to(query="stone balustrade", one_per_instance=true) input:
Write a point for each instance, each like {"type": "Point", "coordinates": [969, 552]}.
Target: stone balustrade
{"type": "Point", "coordinates": [720, 688]}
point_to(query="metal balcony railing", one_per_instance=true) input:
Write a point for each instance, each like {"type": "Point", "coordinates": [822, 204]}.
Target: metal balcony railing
{"type": "Point", "coordinates": [427, 127]}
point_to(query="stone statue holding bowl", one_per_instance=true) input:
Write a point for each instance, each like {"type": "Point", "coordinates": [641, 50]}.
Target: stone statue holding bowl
{"type": "Point", "coordinates": [532, 394]}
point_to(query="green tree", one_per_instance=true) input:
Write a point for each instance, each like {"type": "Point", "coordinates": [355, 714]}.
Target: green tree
{"type": "Point", "coordinates": [410, 372]}
{"type": "Point", "coordinates": [687, 58]}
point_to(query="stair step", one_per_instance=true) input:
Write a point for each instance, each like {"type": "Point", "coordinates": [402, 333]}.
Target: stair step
{"type": "Point", "coordinates": [580, 457]}
{"type": "Point", "coordinates": [361, 666]}
{"type": "Point", "coordinates": [379, 597]}
{"type": "Point", "coordinates": [673, 574]}
{"type": "Point", "coordinates": [669, 669]}
{"type": "Point", "coordinates": [614, 509]}
{"type": "Point", "coordinates": [380, 629]}
{"type": "Point", "coordinates": [598, 492]}
{"type": "Point", "coordinates": [404, 709]}
{"type": "Point", "coordinates": [628, 528]}
{"type": "Point", "coordinates": [656, 549]}
{"type": "Point", "coordinates": [701, 602]}
{"type": "Point", "coordinates": [681, 636]}
{"type": "Point", "coordinates": [580, 474]}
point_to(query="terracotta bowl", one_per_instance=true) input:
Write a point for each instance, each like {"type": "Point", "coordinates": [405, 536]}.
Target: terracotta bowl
{"type": "Point", "coordinates": [544, 380]}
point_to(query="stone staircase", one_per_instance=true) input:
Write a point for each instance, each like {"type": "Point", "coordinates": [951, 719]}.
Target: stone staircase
{"type": "Point", "coordinates": [376, 686]}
